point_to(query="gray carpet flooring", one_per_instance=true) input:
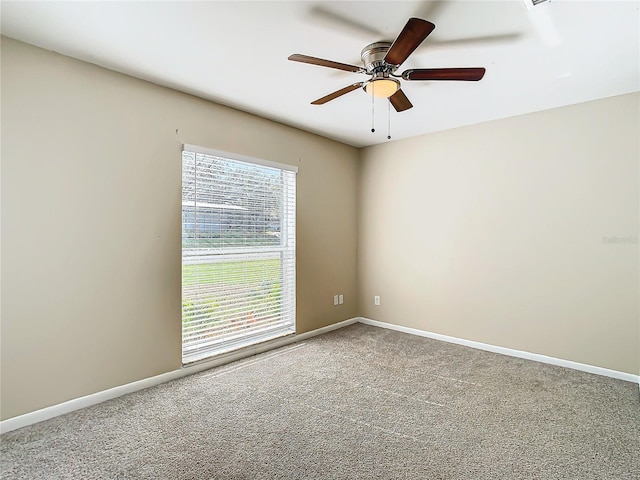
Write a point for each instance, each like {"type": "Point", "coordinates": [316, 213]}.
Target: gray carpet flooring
{"type": "Point", "coordinates": [357, 403]}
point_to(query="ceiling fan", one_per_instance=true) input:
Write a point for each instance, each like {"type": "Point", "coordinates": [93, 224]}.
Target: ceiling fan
{"type": "Point", "coordinates": [382, 59]}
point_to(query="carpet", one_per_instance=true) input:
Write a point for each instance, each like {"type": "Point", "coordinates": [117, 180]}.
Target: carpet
{"type": "Point", "coordinates": [360, 402]}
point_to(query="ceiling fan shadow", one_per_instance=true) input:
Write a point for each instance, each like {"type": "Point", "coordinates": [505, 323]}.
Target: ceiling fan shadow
{"type": "Point", "coordinates": [335, 21]}
{"type": "Point", "coordinates": [486, 40]}
{"type": "Point", "coordinates": [428, 10]}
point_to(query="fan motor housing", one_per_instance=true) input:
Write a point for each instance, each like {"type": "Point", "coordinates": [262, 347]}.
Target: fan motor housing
{"type": "Point", "coordinates": [373, 58]}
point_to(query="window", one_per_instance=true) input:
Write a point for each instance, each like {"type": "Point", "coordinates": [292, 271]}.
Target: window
{"type": "Point", "coordinates": [238, 251]}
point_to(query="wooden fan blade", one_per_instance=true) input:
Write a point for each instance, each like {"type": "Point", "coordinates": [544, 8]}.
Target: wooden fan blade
{"type": "Point", "coordinates": [337, 94]}
{"type": "Point", "coordinates": [296, 57]}
{"type": "Point", "coordinates": [464, 74]}
{"type": "Point", "coordinates": [400, 101]}
{"type": "Point", "coordinates": [412, 35]}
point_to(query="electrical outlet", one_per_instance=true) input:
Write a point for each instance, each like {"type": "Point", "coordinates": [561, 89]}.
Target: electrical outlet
{"type": "Point", "coordinates": [341, 299]}
{"type": "Point", "coordinates": [335, 299]}
{"type": "Point", "coordinates": [376, 300]}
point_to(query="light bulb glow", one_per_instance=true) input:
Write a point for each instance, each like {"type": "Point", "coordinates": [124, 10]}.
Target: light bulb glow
{"type": "Point", "coordinates": [382, 87]}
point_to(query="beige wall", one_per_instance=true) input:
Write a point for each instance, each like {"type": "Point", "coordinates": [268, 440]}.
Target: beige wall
{"type": "Point", "coordinates": [494, 233]}
{"type": "Point", "coordinates": [91, 222]}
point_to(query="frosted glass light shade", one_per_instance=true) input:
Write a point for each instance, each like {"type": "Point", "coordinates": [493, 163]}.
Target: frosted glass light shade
{"type": "Point", "coordinates": [382, 87]}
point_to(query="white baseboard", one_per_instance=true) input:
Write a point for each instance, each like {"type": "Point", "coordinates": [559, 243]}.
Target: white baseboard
{"type": "Point", "coordinates": [104, 395]}
{"type": "Point", "coordinates": [99, 397]}
{"type": "Point", "coordinates": [629, 377]}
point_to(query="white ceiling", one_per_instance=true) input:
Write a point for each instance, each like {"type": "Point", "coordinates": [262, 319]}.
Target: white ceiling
{"type": "Point", "coordinates": [235, 53]}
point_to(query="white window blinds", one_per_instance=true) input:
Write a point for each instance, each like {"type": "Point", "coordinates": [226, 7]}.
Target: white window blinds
{"type": "Point", "coordinates": [238, 251]}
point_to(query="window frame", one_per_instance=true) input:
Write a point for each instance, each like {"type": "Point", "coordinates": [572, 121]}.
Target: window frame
{"type": "Point", "coordinates": [288, 279]}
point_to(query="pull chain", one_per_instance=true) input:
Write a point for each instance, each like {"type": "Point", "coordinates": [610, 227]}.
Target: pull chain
{"type": "Point", "coordinates": [373, 97]}
{"type": "Point", "coordinates": [389, 120]}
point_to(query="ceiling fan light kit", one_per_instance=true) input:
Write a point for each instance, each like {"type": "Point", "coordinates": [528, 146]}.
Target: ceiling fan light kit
{"type": "Point", "coordinates": [381, 60]}
{"type": "Point", "coordinates": [382, 87]}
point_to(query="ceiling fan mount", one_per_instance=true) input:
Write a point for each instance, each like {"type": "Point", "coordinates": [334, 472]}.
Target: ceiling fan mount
{"type": "Point", "coordinates": [381, 60]}
{"type": "Point", "coordinates": [373, 58]}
